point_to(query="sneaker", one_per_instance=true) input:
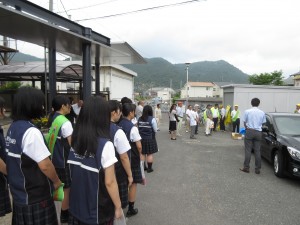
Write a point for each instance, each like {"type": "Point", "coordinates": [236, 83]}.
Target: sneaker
{"type": "Point", "coordinates": [186, 131]}
{"type": "Point", "coordinates": [132, 212]}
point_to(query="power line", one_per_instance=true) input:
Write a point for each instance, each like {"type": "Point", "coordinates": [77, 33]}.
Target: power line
{"type": "Point", "coordinates": [64, 8]}
{"type": "Point", "coordinates": [140, 10]}
{"type": "Point", "coordinates": [89, 6]}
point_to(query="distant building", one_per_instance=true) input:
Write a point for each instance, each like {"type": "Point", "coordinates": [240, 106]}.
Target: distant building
{"type": "Point", "coordinates": [201, 90]}
{"type": "Point", "coordinates": [296, 78]}
{"type": "Point", "coordinates": [163, 93]}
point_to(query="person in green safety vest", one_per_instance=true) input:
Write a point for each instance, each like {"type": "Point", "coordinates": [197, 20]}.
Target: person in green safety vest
{"type": "Point", "coordinates": [59, 142]}
{"type": "Point", "coordinates": [216, 115]}
{"type": "Point", "coordinates": [235, 117]}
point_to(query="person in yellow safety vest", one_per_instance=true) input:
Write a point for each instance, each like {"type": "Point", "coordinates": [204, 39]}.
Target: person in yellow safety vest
{"type": "Point", "coordinates": [297, 110]}
{"type": "Point", "coordinates": [216, 115]}
{"type": "Point", "coordinates": [207, 116]}
{"type": "Point", "coordinates": [228, 115]}
{"type": "Point", "coordinates": [235, 117]}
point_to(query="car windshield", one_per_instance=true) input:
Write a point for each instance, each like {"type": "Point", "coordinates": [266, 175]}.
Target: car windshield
{"type": "Point", "coordinates": [288, 125]}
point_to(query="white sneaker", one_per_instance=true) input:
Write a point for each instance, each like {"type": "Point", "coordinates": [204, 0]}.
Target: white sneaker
{"type": "Point", "coordinates": [186, 131]}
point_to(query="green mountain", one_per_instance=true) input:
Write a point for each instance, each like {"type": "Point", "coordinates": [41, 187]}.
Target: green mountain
{"type": "Point", "coordinates": [21, 57]}
{"type": "Point", "coordinates": [160, 72]}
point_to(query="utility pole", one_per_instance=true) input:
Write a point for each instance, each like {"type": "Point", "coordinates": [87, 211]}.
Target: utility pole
{"type": "Point", "coordinates": [51, 5]}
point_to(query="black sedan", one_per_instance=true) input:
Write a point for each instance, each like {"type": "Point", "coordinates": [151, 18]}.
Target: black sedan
{"type": "Point", "coordinates": [281, 143]}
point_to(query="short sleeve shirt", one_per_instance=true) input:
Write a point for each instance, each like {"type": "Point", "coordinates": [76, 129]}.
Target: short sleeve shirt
{"type": "Point", "coordinates": [34, 146]}
{"type": "Point", "coordinates": [120, 142]}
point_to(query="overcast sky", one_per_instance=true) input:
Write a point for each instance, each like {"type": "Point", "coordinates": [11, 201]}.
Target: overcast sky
{"type": "Point", "coordinates": [255, 36]}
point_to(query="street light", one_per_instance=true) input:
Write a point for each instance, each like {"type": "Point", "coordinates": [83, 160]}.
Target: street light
{"type": "Point", "coordinates": [187, 82]}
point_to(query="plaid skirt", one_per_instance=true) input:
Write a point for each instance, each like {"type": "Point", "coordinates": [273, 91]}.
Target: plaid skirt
{"type": "Point", "coordinates": [123, 192]}
{"type": "Point", "coordinates": [40, 213]}
{"type": "Point", "coordinates": [64, 175]}
{"type": "Point", "coordinates": [137, 174]}
{"type": "Point", "coordinates": [75, 221]}
{"type": "Point", "coordinates": [5, 205]}
{"type": "Point", "coordinates": [149, 146]}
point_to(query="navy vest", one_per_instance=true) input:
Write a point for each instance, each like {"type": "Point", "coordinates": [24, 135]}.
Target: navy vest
{"type": "Point", "coordinates": [145, 128]}
{"type": "Point", "coordinates": [89, 199]}
{"type": "Point", "coordinates": [61, 149]}
{"type": "Point", "coordinates": [126, 126]}
{"type": "Point", "coordinates": [3, 180]}
{"type": "Point", "coordinates": [28, 184]}
{"type": "Point", "coordinates": [120, 171]}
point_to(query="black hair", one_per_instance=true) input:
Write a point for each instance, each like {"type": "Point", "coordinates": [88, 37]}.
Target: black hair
{"type": "Point", "coordinates": [157, 105]}
{"type": "Point", "coordinates": [147, 111]}
{"type": "Point", "coordinates": [93, 122]}
{"type": "Point", "coordinates": [255, 102]}
{"type": "Point", "coordinates": [172, 106]}
{"type": "Point", "coordinates": [114, 105]}
{"type": "Point", "coordinates": [127, 108]}
{"type": "Point", "coordinates": [58, 101]}
{"type": "Point", "coordinates": [125, 100]}
{"type": "Point", "coordinates": [28, 104]}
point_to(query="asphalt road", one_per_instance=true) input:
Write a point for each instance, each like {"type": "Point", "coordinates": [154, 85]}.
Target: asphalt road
{"type": "Point", "coordinates": [198, 182]}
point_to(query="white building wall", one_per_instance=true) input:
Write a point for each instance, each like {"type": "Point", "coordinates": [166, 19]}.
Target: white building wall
{"type": "Point", "coordinates": [272, 99]}
{"type": "Point", "coordinates": [201, 92]}
{"type": "Point", "coordinates": [164, 95]}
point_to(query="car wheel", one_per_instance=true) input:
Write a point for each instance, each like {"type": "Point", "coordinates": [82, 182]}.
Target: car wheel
{"type": "Point", "coordinates": [278, 164]}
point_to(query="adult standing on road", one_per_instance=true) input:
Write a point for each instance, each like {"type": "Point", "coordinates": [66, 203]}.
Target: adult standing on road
{"type": "Point", "coordinates": [253, 121]}
{"type": "Point", "coordinates": [222, 118]}
{"type": "Point", "coordinates": [139, 109]}
{"type": "Point", "coordinates": [179, 112]}
{"type": "Point", "coordinates": [235, 115]}
{"type": "Point", "coordinates": [216, 115]}
{"type": "Point", "coordinates": [208, 119]}
{"type": "Point", "coordinates": [158, 115]}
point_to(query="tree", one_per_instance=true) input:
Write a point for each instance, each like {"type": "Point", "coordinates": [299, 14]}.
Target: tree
{"type": "Point", "coordinates": [11, 85]}
{"type": "Point", "coordinates": [274, 78]}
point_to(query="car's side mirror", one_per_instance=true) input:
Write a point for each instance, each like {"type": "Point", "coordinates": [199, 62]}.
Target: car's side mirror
{"type": "Point", "coordinates": [265, 129]}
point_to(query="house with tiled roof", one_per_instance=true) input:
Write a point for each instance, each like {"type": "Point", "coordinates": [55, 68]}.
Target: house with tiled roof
{"type": "Point", "coordinates": [201, 90]}
{"type": "Point", "coordinates": [296, 78]}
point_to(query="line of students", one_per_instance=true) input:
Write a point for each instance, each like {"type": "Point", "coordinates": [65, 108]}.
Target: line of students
{"type": "Point", "coordinates": [95, 196]}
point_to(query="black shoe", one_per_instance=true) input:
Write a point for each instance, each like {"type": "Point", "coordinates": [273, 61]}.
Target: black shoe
{"type": "Point", "coordinates": [64, 216]}
{"type": "Point", "coordinates": [257, 171]}
{"type": "Point", "coordinates": [150, 170]}
{"type": "Point", "coordinates": [132, 212]}
{"type": "Point", "coordinates": [245, 170]}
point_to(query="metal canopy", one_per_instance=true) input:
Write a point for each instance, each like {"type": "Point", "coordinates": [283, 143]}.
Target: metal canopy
{"type": "Point", "coordinates": [21, 26]}
{"type": "Point", "coordinates": [66, 71]}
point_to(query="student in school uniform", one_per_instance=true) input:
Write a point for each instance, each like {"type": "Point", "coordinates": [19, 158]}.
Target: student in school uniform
{"type": "Point", "coordinates": [94, 195]}
{"type": "Point", "coordinates": [31, 174]}
{"type": "Point", "coordinates": [134, 138]}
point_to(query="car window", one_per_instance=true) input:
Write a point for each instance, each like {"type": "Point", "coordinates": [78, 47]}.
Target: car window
{"type": "Point", "coordinates": [288, 125]}
{"type": "Point", "coordinates": [269, 124]}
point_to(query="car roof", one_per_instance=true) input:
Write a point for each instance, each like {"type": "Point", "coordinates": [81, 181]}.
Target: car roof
{"type": "Point", "coordinates": [282, 114]}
